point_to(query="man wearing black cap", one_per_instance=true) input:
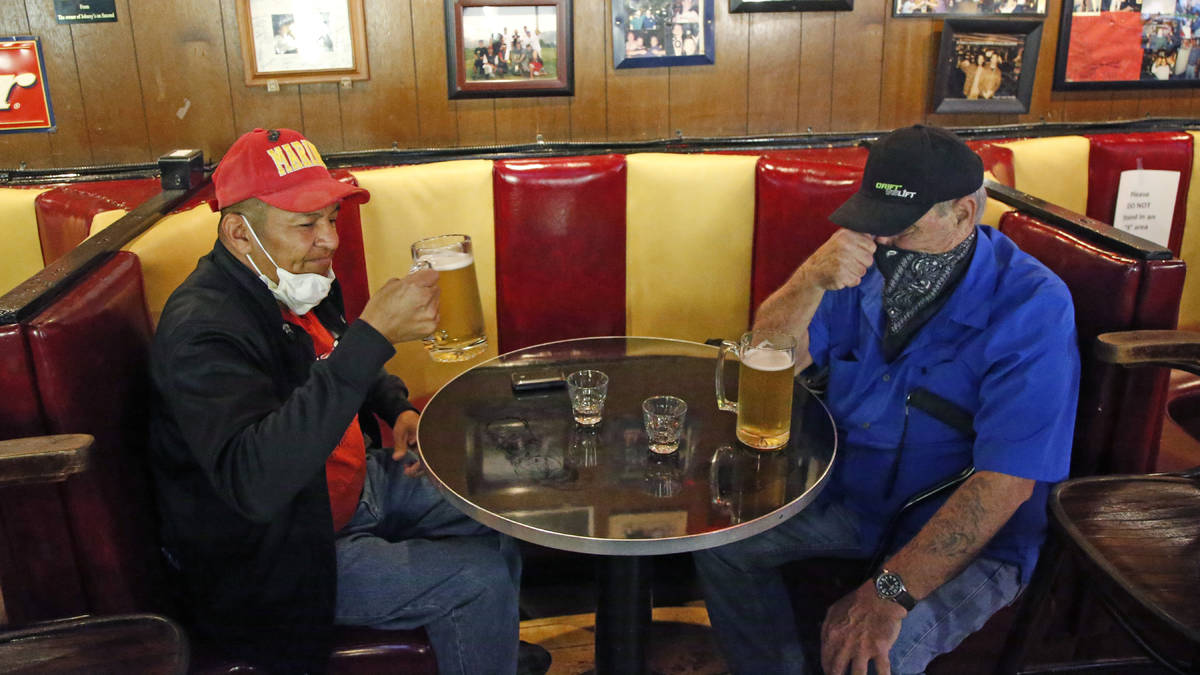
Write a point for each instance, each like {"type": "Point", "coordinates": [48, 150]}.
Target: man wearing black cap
{"type": "Point", "coordinates": [280, 516]}
{"type": "Point", "coordinates": [912, 295]}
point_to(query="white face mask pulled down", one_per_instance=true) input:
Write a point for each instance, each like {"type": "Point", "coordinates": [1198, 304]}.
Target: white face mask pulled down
{"type": "Point", "coordinates": [300, 292]}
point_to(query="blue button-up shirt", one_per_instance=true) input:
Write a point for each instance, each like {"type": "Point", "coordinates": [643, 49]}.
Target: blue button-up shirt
{"type": "Point", "coordinates": [1003, 347]}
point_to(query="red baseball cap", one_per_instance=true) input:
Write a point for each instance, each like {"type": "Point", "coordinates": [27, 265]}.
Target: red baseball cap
{"type": "Point", "coordinates": [283, 169]}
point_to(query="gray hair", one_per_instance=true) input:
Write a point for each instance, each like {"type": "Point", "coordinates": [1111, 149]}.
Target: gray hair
{"type": "Point", "coordinates": [980, 196]}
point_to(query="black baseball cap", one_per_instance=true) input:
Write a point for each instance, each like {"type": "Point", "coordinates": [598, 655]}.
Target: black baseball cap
{"type": "Point", "coordinates": [907, 172]}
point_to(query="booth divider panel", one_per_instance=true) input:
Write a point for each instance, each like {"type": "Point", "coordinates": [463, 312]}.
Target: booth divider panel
{"type": "Point", "coordinates": [560, 249]}
{"type": "Point", "coordinates": [793, 200]}
{"type": "Point", "coordinates": [1113, 154]}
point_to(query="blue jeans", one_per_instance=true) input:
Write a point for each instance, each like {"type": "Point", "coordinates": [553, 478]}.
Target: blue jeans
{"type": "Point", "coordinates": [407, 559]}
{"type": "Point", "coordinates": [752, 616]}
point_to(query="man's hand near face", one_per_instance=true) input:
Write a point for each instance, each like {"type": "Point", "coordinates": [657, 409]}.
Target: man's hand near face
{"type": "Point", "coordinates": [841, 262]}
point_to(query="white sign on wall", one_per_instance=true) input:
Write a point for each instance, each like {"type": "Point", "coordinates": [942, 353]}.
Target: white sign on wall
{"type": "Point", "coordinates": [1146, 203]}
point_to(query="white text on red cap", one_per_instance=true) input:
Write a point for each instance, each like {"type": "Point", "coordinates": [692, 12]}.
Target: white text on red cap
{"type": "Point", "coordinates": [294, 156]}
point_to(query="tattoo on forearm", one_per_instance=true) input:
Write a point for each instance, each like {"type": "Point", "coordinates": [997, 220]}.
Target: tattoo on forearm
{"type": "Point", "coordinates": [958, 536]}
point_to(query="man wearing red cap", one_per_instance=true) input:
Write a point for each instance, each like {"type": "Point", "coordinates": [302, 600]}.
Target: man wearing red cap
{"type": "Point", "coordinates": [912, 301]}
{"type": "Point", "coordinates": [279, 516]}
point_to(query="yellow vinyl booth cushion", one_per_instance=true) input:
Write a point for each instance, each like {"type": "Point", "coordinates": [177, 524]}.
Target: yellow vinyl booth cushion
{"type": "Point", "coordinates": [413, 202]}
{"type": "Point", "coordinates": [104, 219]}
{"type": "Point", "coordinates": [1054, 169]}
{"type": "Point", "coordinates": [1189, 308]}
{"type": "Point", "coordinates": [689, 238]}
{"type": "Point", "coordinates": [169, 250]}
{"type": "Point", "coordinates": [23, 247]}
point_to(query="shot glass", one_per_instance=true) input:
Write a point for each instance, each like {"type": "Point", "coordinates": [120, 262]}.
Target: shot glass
{"type": "Point", "coordinates": [587, 389]}
{"type": "Point", "coordinates": [664, 416]}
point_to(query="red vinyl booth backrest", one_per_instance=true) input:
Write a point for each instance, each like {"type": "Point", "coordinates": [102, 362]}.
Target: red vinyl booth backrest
{"type": "Point", "coordinates": [560, 248]}
{"type": "Point", "coordinates": [792, 202]}
{"type": "Point", "coordinates": [1112, 154]}
{"type": "Point", "coordinates": [350, 259]}
{"type": "Point", "coordinates": [92, 537]}
{"type": "Point", "coordinates": [20, 412]}
{"type": "Point", "coordinates": [1119, 418]}
{"type": "Point", "coordinates": [64, 214]}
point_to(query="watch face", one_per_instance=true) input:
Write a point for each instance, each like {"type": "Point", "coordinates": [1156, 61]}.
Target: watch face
{"type": "Point", "coordinates": [889, 585]}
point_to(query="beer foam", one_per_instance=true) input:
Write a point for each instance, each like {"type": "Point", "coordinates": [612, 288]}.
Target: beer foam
{"type": "Point", "coordinates": [766, 359]}
{"type": "Point", "coordinates": [445, 261]}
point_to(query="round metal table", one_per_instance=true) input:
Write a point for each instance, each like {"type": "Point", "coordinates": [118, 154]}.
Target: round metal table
{"type": "Point", "coordinates": [517, 462]}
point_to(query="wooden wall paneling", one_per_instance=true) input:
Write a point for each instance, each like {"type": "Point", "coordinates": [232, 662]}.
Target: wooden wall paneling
{"type": "Point", "coordinates": [1082, 106]}
{"type": "Point", "coordinates": [638, 104]}
{"type": "Point", "coordinates": [910, 54]}
{"type": "Point", "coordinates": [523, 120]}
{"type": "Point", "coordinates": [1125, 105]}
{"type": "Point", "coordinates": [109, 66]}
{"type": "Point", "coordinates": [773, 72]}
{"type": "Point", "coordinates": [320, 105]}
{"type": "Point", "coordinates": [476, 122]}
{"type": "Point", "coordinates": [816, 72]}
{"type": "Point", "coordinates": [32, 149]}
{"type": "Point", "coordinates": [69, 145]}
{"type": "Point", "coordinates": [1160, 103]}
{"type": "Point", "coordinates": [185, 80]}
{"type": "Point", "coordinates": [588, 107]}
{"type": "Point", "coordinates": [437, 115]}
{"type": "Point", "coordinates": [516, 120]}
{"type": "Point", "coordinates": [711, 100]}
{"type": "Point", "coordinates": [253, 107]}
{"type": "Point", "coordinates": [383, 110]}
{"type": "Point", "coordinates": [857, 65]}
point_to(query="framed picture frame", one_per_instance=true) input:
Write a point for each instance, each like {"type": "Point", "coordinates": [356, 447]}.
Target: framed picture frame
{"type": "Point", "coordinates": [986, 65]}
{"type": "Point", "coordinates": [505, 48]}
{"type": "Point", "coordinates": [1128, 44]}
{"type": "Point", "coordinates": [739, 6]}
{"type": "Point", "coordinates": [657, 33]}
{"type": "Point", "coordinates": [286, 42]}
{"type": "Point", "coordinates": [967, 9]}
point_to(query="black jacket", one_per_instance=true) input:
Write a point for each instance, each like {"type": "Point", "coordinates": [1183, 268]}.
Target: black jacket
{"type": "Point", "coordinates": [243, 421]}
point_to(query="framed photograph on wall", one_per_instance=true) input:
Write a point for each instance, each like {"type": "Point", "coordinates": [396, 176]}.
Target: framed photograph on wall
{"type": "Point", "coordinates": [738, 6]}
{"type": "Point", "coordinates": [1128, 44]}
{"type": "Point", "coordinates": [986, 65]}
{"type": "Point", "coordinates": [657, 33]}
{"type": "Point", "coordinates": [500, 48]}
{"type": "Point", "coordinates": [928, 9]}
{"type": "Point", "coordinates": [298, 42]}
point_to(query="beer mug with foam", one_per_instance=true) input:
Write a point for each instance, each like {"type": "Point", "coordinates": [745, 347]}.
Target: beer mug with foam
{"type": "Point", "coordinates": [764, 404]}
{"type": "Point", "coordinates": [460, 334]}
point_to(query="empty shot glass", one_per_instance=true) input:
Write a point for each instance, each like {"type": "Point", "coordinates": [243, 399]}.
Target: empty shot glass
{"type": "Point", "coordinates": [664, 416]}
{"type": "Point", "coordinates": [587, 389]}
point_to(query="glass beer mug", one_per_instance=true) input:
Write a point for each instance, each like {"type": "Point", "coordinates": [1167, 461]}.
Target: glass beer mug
{"type": "Point", "coordinates": [459, 335]}
{"type": "Point", "coordinates": [764, 405]}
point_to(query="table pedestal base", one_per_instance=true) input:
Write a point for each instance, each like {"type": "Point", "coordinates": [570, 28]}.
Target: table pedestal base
{"type": "Point", "coordinates": [623, 614]}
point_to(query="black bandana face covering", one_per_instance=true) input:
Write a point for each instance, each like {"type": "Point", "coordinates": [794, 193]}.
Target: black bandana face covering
{"type": "Point", "coordinates": [916, 285]}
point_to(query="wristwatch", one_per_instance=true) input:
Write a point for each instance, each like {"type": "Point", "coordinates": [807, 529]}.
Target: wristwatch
{"type": "Point", "coordinates": [889, 586]}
